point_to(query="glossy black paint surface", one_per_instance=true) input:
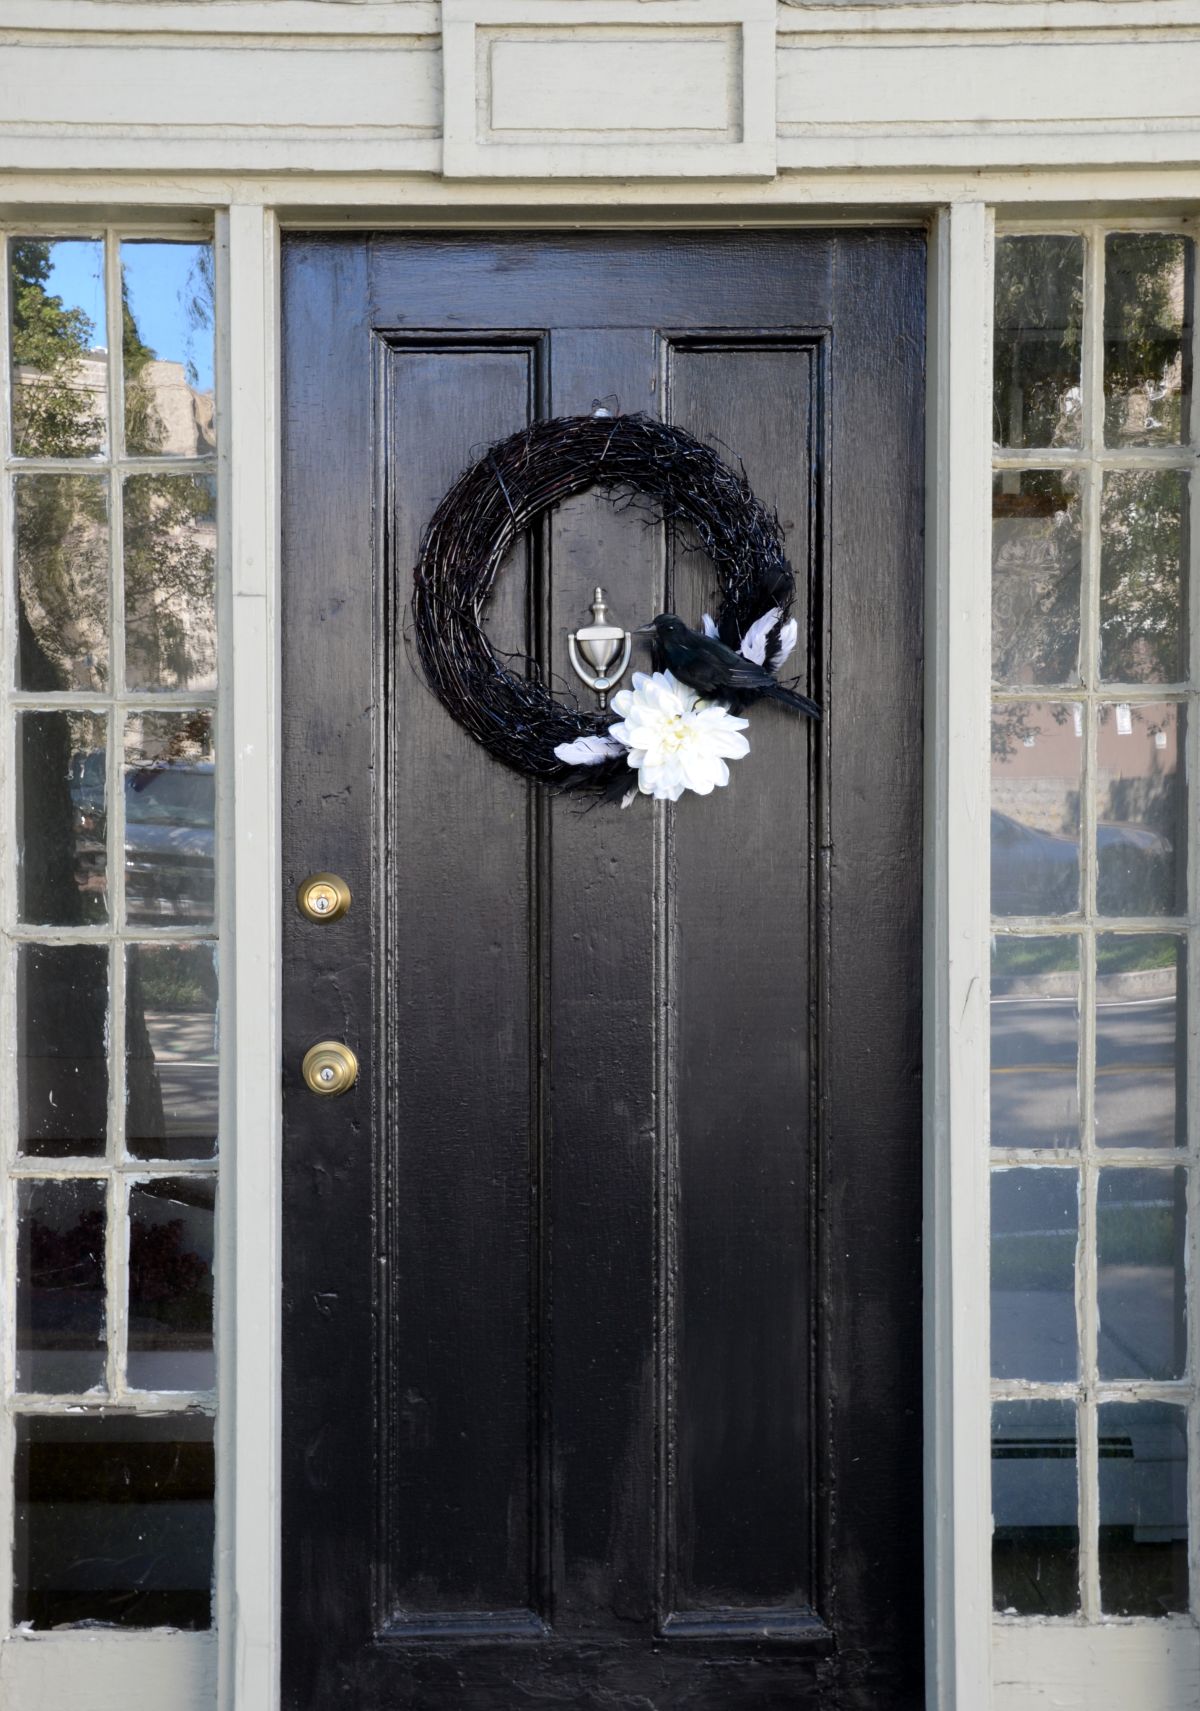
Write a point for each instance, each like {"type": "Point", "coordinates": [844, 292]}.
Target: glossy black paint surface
{"type": "Point", "coordinates": [602, 1289]}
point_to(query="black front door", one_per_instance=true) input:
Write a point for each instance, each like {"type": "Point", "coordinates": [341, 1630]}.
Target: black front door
{"type": "Point", "coordinates": [602, 1370]}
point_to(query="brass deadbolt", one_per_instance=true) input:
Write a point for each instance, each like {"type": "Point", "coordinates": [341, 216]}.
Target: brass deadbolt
{"type": "Point", "coordinates": [329, 1067]}
{"type": "Point", "coordinates": [323, 897]}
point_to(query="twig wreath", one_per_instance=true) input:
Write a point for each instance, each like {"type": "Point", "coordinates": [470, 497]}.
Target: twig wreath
{"type": "Point", "coordinates": [513, 714]}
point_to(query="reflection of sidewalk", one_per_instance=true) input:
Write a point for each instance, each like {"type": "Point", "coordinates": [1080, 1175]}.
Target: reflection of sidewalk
{"type": "Point", "coordinates": [185, 1034]}
{"type": "Point", "coordinates": [1064, 984]}
{"type": "Point", "coordinates": [184, 1045]}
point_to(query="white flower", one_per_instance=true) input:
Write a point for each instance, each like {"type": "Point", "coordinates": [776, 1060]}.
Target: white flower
{"type": "Point", "coordinates": [676, 741]}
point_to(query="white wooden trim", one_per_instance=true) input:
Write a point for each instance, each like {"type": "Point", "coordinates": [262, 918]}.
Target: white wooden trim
{"type": "Point", "coordinates": [248, 1615]}
{"type": "Point", "coordinates": [722, 126]}
{"type": "Point", "coordinates": [90, 1671]}
{"type": "Point", "coordinates": [957, 1436]}
{"type": "Point", "coordinates": [1063, 1666]}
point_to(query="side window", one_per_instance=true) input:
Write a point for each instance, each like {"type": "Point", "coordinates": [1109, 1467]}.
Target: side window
{"type": "Point", "coordinates": [1092, 1063]}
{"type": "Point", "coordinates": [111, 963]}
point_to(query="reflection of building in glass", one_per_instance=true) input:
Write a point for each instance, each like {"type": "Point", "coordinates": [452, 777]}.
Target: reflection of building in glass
{"type": "Point", "coordinates": [180, 417]}
{"type": "Point", "coordinates": [169, 533]}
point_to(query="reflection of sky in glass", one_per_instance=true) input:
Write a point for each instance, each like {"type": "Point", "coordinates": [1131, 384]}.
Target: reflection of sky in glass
{"type": "Point", "coordinates": [158, 275]}
{"type": "Point", "coordinates": [77, 276]}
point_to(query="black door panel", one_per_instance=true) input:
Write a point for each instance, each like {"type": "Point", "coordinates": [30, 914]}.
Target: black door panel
{"type": "Point", "coordinates": [602, 1287]}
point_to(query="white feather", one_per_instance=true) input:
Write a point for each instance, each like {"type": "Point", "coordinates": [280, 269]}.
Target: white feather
{"type": "Point", "coordinates": [589, 751]}
{"type": "Point", "coordinates": [754, 642]}
{"type": "Point", "coordinates": [785, 643]}
{"type": "Point", "coordinates": [709, 625]}
{"type": "Point", "coordinates": [629, 796]}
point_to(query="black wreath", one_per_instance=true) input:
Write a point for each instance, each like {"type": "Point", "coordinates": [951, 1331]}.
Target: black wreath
{"type": "Point", "coordinates": [514, 715]}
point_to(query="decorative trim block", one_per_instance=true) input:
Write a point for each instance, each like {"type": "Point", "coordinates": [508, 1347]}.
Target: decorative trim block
{"type": "Point", "coordinates": [608, 88]}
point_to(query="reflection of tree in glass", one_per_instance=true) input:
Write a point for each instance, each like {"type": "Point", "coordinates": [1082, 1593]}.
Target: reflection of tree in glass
{"type": "Point", "coordinates": [146, 432]}
{"type": "Point", "coordinates": [1048, 955]}
{"type": "Point", "coordinates": [67, 1259]}
{"type": "Point", "coordinates": [1147, 309]}
{"type": "Point", "coordinates": [62, 569]}
{"type": "Point", "coordinates": [1141, 629]}
{"type": "Point", "coordinates": [1036, 577]}
{"type": "Point", "coordinates": [167, 1281]}
{"type": "Point", "coordinates": [169, 580]}
{"type": "Point", "coordinates": [169, 538]}
{"type": "Point", "coordinates": [1126, 953]}
{"type": "Point", "coordinates": [1014, 725]}
{"type": "Point", "coordinates": [52, 412]}
{"type": "Point", "coordinates": [178, 977]}
{"type": "Point", "coordinates": [1039, 332]}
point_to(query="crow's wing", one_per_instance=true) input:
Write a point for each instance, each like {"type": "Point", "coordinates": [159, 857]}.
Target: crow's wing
{"type": "Point", "coordinates": [738, 672]}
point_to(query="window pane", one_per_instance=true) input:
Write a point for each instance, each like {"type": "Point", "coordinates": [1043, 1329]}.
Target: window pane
{"type": "Point", "coordinates": [1143, 550]}
{"type": "Point", "coordinates": [1035, 1041]}
{"type": "Point", "coordinates": [62, 581]}
{"type": "Point", "coordinates": [114, 1521]}
{"type": "Point", "coordinates": [62, 1044]}
{"type": "Point", "coordinates": [1035, 576]}
{"type": "Point", "coordinates": [171, 1051]}
{"type": "Point", "coordinates": [62, 869]}
{"type": "Point", "coordinates": [1035, 1509]}
{"type": "Point", "coordinates": [170, 554]}
{"type": "Point", "coordinates": [1037, 757]}
{"type": "Point", "coordinates": [1141, 1219]}
{"type": "Point", "coordinates": [168, 347]}
{"type": "Point", "coordinates": [1035, 1225]}
{"type": "Point", "coordinates": [1141, 1040]}
{"type": "Point", "coordinates": [1147, 334]}
{"type": "Point", "coordinates": [1141, 835]}
{"type": "Point", "coordinates": [170, 814]}
{"type": "Point", "coordinates": [59, 346]}
{"type": "Point", "coordinates": [1037, 341]}
{"type": "Point", "coordinates": [170, 1284]}
{"type": "Point", "coordinates": [60, 1286]}
{"type": "Point", "coordinates": [1143, 1508]}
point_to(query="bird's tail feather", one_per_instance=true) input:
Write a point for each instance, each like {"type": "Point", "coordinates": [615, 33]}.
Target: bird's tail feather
{"type": "Point", "coordinates": [802, 704]}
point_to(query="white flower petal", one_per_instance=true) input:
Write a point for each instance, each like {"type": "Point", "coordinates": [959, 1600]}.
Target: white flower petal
{"type": "Point", "coordinates": [698, 771]}
{"type": "Point", "coordinates": [708, 625]}
{"type": "Point", "coordinates": [675, 741]}
{"type": "Point", "coordinates": [731, 744]}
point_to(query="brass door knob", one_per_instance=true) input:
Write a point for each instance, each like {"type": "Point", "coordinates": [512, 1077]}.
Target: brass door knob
{"type": "Point", "coordinates": [323, 897]}
{"type": "Point", "coordinates": [329, 1067]}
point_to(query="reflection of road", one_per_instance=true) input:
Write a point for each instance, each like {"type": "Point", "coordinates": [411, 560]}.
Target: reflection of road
{"type": "Point", "coordinates": [1033, 1330]}
{"type": "Point", "coordinates": [1136, 1054]}
{"type": "Point", "coordinates": [1139, 1328]}
{"type": "Point", "coordinates": [1140, 1295]}
{"type": "Point", "coordinates": [185, 1059]}
{"type": "Point", "coordinates": [1035, 1072]}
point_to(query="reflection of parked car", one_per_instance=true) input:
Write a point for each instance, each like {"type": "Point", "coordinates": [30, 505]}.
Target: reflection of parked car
{"type": "Point", "coordinates": [1037, 873]}
{"type": "Point", "coordinates": [1136, 873]}
{"type": "Point", "coordinates": [1033, 872]}
{"type": "Point", "coordinates": [169, 842]}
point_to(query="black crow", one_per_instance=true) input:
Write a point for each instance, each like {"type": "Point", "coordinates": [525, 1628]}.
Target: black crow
{"type": "Point", "coordinates": [715, 671]}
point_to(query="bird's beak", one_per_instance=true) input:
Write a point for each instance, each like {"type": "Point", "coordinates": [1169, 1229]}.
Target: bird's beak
{"type": "Point", "coordinates": [646, 630]}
